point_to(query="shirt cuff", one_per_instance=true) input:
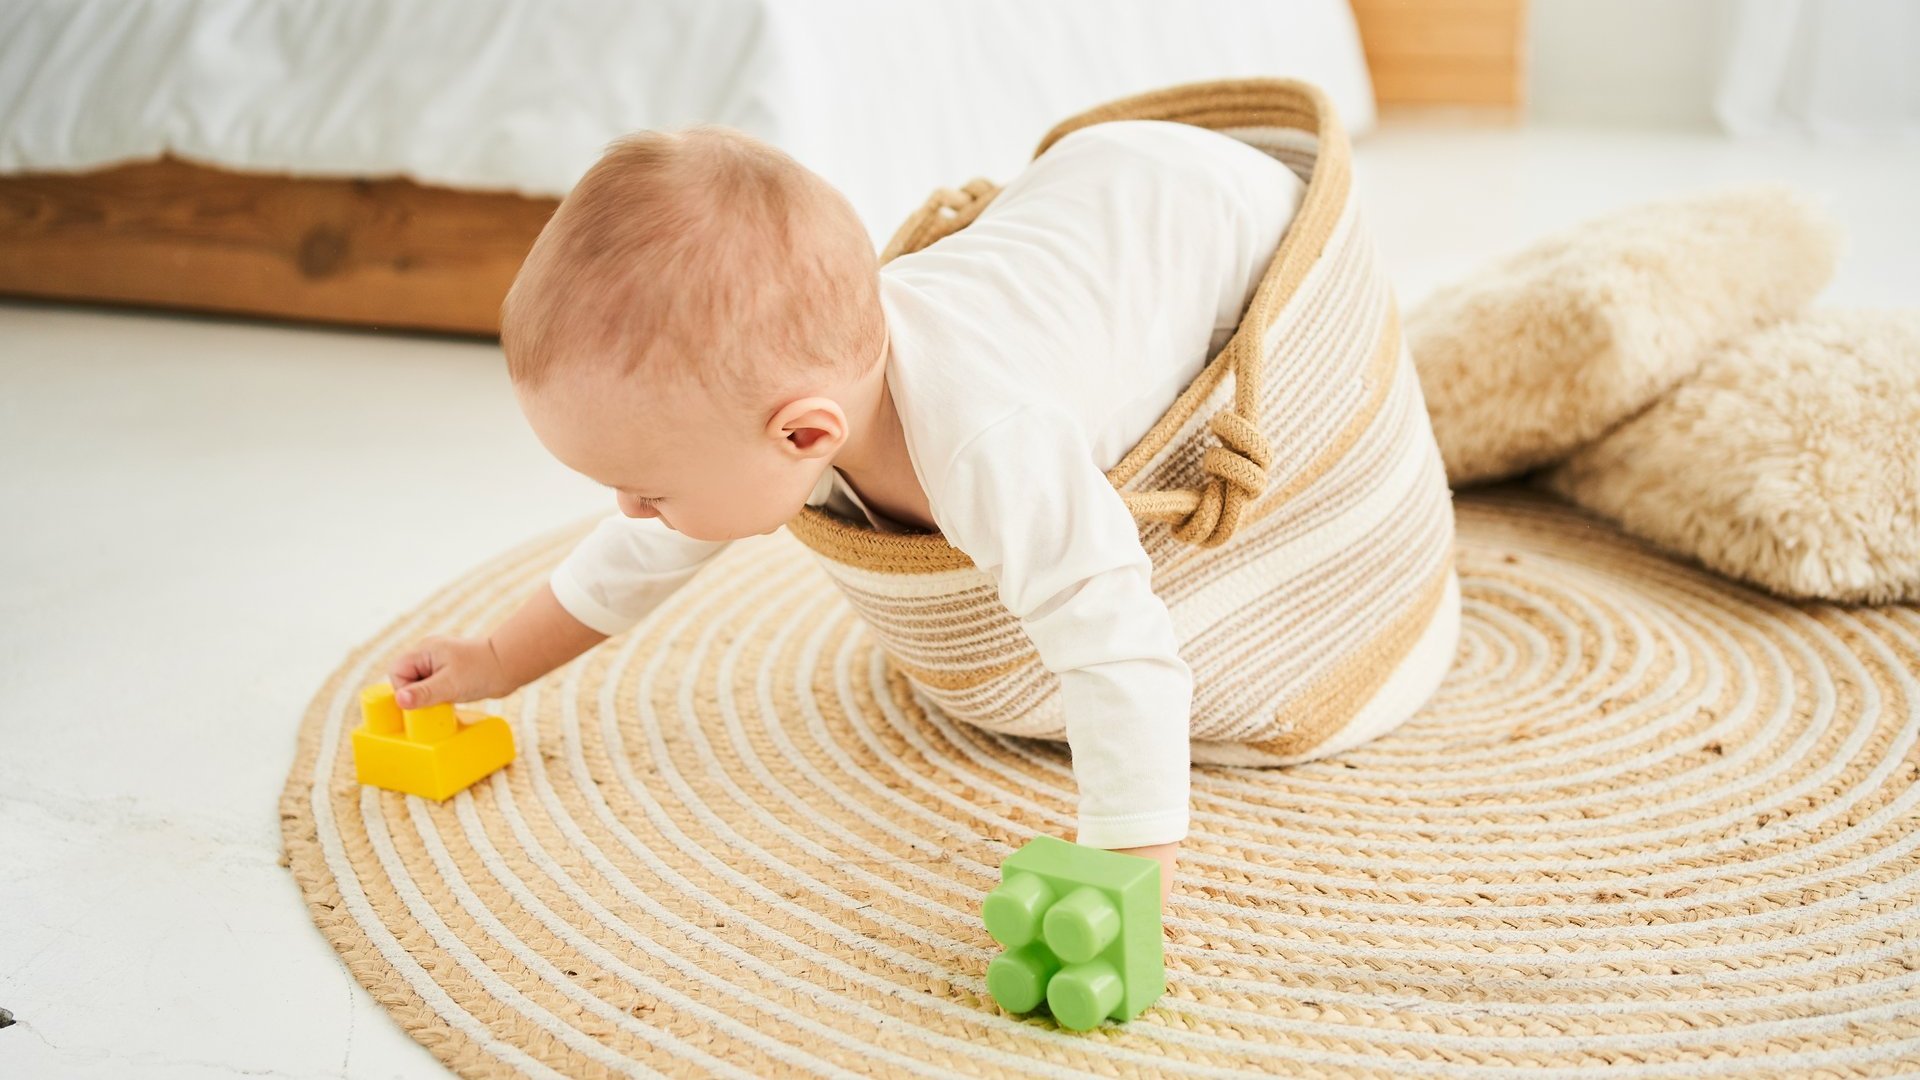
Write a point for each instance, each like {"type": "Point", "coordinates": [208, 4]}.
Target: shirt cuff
{"type": "Point", "coordinates": [583, 607]}
{"type": "Point", "coordinates": [1133, 830]}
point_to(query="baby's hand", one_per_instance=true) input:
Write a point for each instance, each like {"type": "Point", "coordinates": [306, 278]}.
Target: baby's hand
{"type": "Point", "coordinates": [446, 669]}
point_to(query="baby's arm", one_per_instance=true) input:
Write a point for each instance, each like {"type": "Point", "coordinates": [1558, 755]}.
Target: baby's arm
{"type": "Point", "coordinates": [617, 575]}
{"type": "Point", "coordinates": [538, 637]}
{"type": "Point", "coordinates": [1081, 583]}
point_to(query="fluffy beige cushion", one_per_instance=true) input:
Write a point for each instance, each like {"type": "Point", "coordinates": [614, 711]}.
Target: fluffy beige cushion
{"type": "Point", "coordinates": [1792, 460]}
{"type": "Point", "coordinates": [1549, 348]}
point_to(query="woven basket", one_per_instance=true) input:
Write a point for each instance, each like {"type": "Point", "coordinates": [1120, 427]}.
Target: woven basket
{"type": "Point", "coordinates": [1292, 499]}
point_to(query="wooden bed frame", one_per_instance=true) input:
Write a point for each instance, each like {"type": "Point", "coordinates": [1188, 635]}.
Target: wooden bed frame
{"type": "Point", "coordinates": [396, 254]}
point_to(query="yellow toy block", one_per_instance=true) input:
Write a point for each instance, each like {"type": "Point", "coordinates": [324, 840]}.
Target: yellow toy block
{"type": "Point", "coordinates": [378, 711]}
{"type": "Point", "coordinates": [434, 752]}
{"type": "Point", "coordinates": [431, 724]}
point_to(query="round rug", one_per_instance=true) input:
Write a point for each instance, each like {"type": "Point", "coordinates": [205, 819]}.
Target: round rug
{"type": "Point", "coordinates": [1654, 822]}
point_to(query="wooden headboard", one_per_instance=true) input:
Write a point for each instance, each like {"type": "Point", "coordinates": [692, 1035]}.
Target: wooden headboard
{"type": "Point", "coordinates": [1445, 52]}
{"type": "Point", "coordinates": [400, 255]}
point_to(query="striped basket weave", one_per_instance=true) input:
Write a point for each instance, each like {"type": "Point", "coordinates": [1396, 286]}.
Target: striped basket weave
{"type": "Point", "coordinates": [1292, 499]}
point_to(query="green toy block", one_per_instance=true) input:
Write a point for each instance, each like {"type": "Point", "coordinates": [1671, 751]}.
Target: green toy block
{"type": "Point", "coordinates": [1081, 928]}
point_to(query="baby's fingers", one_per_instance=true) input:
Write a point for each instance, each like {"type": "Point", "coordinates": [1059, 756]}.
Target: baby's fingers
{"type": "Point", "coordinates": [411, 668]}
{"type": "Point", "coordinates": [435, 689]}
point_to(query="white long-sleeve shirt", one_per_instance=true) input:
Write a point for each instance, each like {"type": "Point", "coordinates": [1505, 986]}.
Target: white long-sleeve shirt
{"type": "Point", "coordinates": [1030, 351]}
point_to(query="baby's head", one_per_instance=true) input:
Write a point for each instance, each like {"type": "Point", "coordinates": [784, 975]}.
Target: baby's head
{"type": "Point", "coordinates": [693, 327]}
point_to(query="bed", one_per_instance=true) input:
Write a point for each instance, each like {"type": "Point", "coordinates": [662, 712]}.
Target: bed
{"type": "Point", "coordinates": [387, 164]}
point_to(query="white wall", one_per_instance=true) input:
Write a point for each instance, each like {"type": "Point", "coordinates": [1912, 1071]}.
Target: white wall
{"type": "Point", "coordinates": [1640, 62]}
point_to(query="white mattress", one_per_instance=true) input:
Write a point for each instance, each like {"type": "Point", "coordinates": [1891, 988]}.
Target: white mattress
{"type": "Point", "coordinates": [887, 98]}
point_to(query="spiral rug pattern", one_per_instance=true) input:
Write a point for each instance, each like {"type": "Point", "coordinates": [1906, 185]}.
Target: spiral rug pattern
{"type": "Point", "coordinates": [1654, 824]}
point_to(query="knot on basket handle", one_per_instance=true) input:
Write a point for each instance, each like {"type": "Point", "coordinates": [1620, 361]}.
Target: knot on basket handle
{"type": "Point", "coordinates": [1236, 475]}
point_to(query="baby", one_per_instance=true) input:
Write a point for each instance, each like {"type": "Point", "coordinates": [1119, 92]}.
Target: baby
{"type": "Point", "coordinates": [703, 328]}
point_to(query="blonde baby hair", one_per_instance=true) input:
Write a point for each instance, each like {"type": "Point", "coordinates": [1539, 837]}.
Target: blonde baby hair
{"type": "Point", "coordinates": [702, 252]}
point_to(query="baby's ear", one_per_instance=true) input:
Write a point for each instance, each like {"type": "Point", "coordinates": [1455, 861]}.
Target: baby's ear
{"type": "Point", "coordinates": [805, 437]}
{"type": "Point", "coordinates": [810, 427]}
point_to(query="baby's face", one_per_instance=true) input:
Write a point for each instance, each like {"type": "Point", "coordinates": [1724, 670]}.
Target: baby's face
{"type": "Point", "coordinates": [706, 471]}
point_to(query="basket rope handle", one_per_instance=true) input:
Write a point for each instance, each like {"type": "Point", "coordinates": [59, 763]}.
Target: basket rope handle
{"type": "Point", "coordinates": [1236, 468]}
{"type": "Point", "coordinates": [945, 212]}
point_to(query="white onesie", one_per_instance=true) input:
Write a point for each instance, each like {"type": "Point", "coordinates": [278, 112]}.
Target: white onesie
{"type": "Point", "coordinates": [1030, 351]}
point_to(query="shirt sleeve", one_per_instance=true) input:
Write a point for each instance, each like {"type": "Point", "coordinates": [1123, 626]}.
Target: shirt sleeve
{"type": "Point", "coordinates": [624, 569]}
{"type": "Point", "coordinates": [1025, 500]}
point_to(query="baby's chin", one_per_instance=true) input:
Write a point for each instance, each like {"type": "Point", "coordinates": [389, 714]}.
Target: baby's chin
{"type": "Point", "coordinates": [769, 515]}
{"type": "Point", "coordinates": [739, 534]}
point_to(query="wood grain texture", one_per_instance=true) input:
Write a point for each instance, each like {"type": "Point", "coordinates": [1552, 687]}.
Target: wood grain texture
{"type": "Point", "coordinates": [1445, 52]}
{"type": "Point", "coordinates": [384, 253]}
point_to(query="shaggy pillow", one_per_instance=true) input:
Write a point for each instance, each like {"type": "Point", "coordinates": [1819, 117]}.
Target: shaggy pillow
{"type": "Point", "coordinates": [1548, 348]}
{"type": "Point", "coordinates": [1792, 460]}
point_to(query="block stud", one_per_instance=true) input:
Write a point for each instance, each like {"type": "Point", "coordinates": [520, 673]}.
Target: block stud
{"type": "Point", "coordinates": [431, 724]}
{"type": "Point", "coordinates": [379, 711]}
{"type": "Point", "coordinates": [1082, 995]}
{"type": "Point", "coordinates": [1017, 979]}
{"type": "Point", "coordinates": [1081, 925]}
{"type": "Point", "coordinates": [1013, 910]}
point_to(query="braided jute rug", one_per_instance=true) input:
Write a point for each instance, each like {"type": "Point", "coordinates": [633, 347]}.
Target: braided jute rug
{"type": "Point", "coordinates": [1655, 824]}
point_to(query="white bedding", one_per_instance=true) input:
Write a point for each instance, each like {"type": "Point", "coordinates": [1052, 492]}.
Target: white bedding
{"type": "Point", "coordinates": [887, 98]}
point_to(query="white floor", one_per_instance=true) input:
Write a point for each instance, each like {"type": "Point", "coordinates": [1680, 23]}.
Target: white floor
{"type": "Point", "coordinates": [203, 515]}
